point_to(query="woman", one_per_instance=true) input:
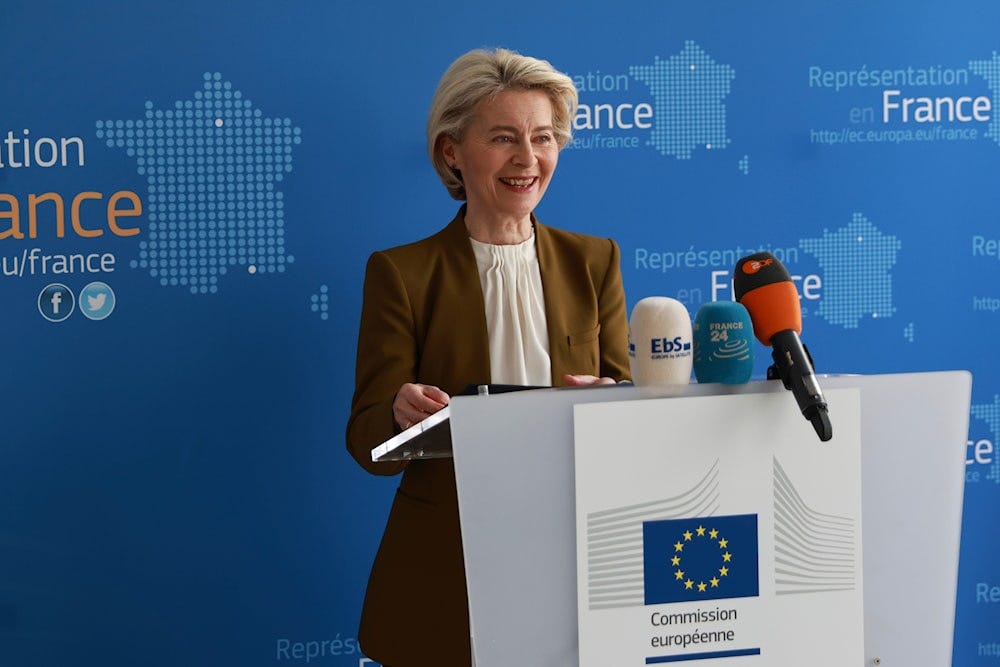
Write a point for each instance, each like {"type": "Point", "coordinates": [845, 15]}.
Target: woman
{"type": "Point", "coordinates": [493, 297]}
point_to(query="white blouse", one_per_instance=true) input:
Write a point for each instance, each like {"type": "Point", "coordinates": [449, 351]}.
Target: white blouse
{"type": "Point", "coordinates": [515, 313]}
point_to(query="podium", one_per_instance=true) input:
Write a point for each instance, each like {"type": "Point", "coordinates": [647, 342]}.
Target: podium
{"type": "Point", "coordinates": [514, 461]}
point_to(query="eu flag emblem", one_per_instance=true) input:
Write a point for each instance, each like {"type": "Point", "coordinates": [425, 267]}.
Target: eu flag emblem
{"type": "Point", "coordinates": [710, 558]}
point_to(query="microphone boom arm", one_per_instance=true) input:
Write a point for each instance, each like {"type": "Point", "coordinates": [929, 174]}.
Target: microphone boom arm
{"type": "Point", "coordinates": [793, 365]}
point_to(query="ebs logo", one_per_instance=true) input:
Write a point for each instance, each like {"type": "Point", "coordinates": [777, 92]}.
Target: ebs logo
{"type": "Point", "coordinates": [56, 302]}
{"type": "Point", "coordinates": [668, 345]}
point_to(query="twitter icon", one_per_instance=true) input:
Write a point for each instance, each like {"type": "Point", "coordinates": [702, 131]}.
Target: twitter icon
{"type": "Point", "coordinates": [97, 300]}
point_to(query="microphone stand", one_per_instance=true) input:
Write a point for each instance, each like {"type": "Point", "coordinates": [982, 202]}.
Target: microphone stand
{"type": "Point", "coordinates": [793, 365]}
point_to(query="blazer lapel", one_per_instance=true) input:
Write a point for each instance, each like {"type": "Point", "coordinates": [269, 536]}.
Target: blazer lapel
{"type": "Point", "coordinates": [461, 296]}
{"type": "Point", "coordinates": [556, 289]}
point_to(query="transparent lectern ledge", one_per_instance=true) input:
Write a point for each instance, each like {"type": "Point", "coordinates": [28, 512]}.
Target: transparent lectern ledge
{"type": "Point", "coordinates": [405, 445]}
{"type": "Point", "coordinates": [431, 438]}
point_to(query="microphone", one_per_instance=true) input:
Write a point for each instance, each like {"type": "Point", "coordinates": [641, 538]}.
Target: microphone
{"type": "Point", "coordinates": [659, 342]}
{"type": "Point", "coordinates": [723, 343]}
{"type": "Point", "coordinates": [763, 285]}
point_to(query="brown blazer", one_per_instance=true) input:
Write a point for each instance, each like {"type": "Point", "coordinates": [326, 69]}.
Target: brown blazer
{"type": "Point", "coordinates": [423, 320]}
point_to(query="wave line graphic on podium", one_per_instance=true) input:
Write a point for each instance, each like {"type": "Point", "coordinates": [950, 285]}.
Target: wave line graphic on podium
{"type": "Point", "coordinates": [211, 164]}
{"type": "Point", "coordinates": [615, 548]}
{"type": "Point", "coordinates": [813, 552]}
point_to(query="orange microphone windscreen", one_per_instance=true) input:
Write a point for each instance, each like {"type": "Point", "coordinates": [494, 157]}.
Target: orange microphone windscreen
{"type": "Point", "coordinates": [773, 308]}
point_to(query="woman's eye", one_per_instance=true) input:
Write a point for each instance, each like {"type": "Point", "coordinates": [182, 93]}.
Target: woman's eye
{"type": "Point", "coordinates": [503, 139]}
{"type": "Point", "coordinates": [543, 138]}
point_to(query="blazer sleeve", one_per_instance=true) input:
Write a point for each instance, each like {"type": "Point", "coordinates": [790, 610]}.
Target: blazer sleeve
{"type": "Point", "coordinates": [387, 359]}
{"type": "Point", "coordinates": [613, 320]}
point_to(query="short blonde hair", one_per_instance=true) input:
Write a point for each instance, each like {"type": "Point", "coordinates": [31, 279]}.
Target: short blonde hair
{"type": "Point", "coordinates": [482, 74]}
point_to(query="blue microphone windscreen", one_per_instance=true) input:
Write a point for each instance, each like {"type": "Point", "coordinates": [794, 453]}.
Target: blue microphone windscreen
{"type": "Point", "coordinates": [723, 343]}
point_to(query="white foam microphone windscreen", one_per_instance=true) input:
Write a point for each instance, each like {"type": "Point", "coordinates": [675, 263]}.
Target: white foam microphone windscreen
{"type": "Point", "coordinates": [659, 345]}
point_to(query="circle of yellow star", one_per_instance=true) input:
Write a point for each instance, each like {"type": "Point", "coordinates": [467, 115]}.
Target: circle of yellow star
{"type": "Point", "coordinates": [689, 536]}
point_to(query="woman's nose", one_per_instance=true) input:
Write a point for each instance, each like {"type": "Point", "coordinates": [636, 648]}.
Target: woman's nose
{"type": "Point", "coordinates": [524, 155]}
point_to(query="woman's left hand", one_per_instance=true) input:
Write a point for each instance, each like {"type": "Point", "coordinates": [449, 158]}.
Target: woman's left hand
{"type": "Point", "coordinates": [585, 380]}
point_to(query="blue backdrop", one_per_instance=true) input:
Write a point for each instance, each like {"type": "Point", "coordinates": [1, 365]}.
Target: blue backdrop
{"type": "Point", "coordinates": [189, 192]}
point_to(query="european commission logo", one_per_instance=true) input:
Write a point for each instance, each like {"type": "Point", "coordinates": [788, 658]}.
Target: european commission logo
{"type": "Point", "coordinates": [710, 558]}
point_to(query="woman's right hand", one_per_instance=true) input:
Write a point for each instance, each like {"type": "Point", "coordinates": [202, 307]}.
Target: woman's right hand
{"type": "Point", "coordinates": [416, 402]}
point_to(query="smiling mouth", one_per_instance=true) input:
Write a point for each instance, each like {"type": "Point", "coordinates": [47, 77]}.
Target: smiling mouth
{"type": "Point", "coordinates": [519, 182]}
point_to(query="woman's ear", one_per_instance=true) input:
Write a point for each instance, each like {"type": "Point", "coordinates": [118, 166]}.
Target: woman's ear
{"type": "Point", "coordinates": [448, 151]}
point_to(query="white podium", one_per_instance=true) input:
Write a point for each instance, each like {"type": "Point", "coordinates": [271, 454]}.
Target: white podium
{"type": "Point", "coordinates": [514, 460]}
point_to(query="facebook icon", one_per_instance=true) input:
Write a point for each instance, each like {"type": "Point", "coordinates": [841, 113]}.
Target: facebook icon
{"type": "Point", "coordinates": [56, 302]}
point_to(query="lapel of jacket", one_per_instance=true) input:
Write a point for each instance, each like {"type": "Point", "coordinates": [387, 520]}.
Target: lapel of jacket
{"type": "Point", "coordinates": [461, 297]}
{"type": "Point", "coordinates": [556, 290]}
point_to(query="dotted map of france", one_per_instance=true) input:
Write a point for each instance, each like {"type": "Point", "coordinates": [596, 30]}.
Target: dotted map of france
{"type": "Point", "coordinates": [689, 90]}
{"type": "Point", "coordinates": [857, 262]}
{"type": "Point", "coordinates": [212, 164]}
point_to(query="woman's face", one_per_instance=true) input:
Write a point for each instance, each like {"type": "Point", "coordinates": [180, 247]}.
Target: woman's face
{"type": "Point", "coordinates": [507, 156]}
